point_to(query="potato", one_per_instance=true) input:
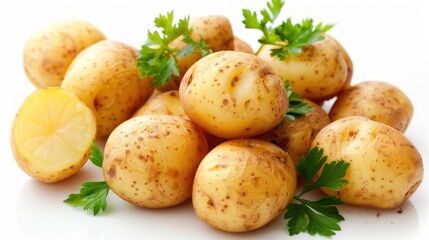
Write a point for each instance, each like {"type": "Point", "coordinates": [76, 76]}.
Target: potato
{"type": "Point", "coordinates": [243, 184]}
{"type": "Point", "coordinates": [242, 46]}
{"type": "Point", "coordinates": [378, 101]}
{"type": "Point", "coordinates": [167, 103]}
{"type": "Point", "coordinates": [105, 77]}
{"type": "Point", "coordinates": [151, 161]}
{"type": "Point", "coordinates": [52, 134]}
{"type": "Point", "coordinates": [232, 94]}
{"type": "Point", "coordinates": [215, 30]}
{"type": "Point", "coordinates": [49, 52]}
{"type": "Point", "coordinates": [385, 167]}
{"type": "Point", "coordinates": [318, 73]}
{"type": "Point", "coordinates": [295, 137]}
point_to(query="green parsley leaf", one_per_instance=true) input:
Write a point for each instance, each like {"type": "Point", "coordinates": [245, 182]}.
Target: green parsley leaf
{"type": "Point", "coordinates": [288, 38]}
{"type": "Point", "coordinates": [298, 107]}
{"type": "Point", "coordinates": [320, 216]}
{"type": "Point", "coordinates": [92, 197]}
{"type": "Point", "coordinates": [96, 156]}
{"type": "Point", "coordinates": [156, 59]}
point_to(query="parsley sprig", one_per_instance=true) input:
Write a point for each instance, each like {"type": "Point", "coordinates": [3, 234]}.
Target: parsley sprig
{"type": "Point", "coordinates": [321, 216]}
{"type": "Point", "coordinates": [92, 195]}
{"type": "Point", "coordinates": [157, 60]}
{"type": "Point", "coordinates": [288, 38]}
{"type": "Point", "coordinates": [298, 107]}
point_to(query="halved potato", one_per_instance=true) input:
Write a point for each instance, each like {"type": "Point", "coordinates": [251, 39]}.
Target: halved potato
{"type": "Point", "coordinates": [52, 134]}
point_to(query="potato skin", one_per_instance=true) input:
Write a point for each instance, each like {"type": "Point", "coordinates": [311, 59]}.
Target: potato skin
{"type": "Point", "coordinates": [318, 73]}
{"type": "Point", "coordinates": [385, 167]}
{"type": "Point", "coordinates": [105, 77]}
{"type": "Point", "coordinates": [243, 184]}
{"type": "Point", "coordinates": [241, 46]}
{"type": "Point", "coordinates": [378, 101]}
{"type": "Point", "coordinates": [151, 161]}
{"type": "Point", "coordinates": [49, 52]}
{"type": "Point", "coordinates": [167, 103]}
{"type": "Point", "coordinates": [295, 137]}
{"type": "Point", "coordinates": [347, 59]}
{"type": "Point", "coordinates": [215, 30]}
{"type": "Point", "coordinates": [232, 94]}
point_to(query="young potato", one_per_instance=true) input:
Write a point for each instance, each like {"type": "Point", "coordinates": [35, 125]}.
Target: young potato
{"type": "Point", "coordinates": [52, 134]}
{"type": "Point", "coordinates": [385, 167]}
{"type": "Point", "coordinates": [167, 103]}
{"type": "Point", "coordinates": [215, 30]}
{"type": "Point", "coordinates": [318, 73]}
{"type": "Point", "coordinates": [232, 94]}
{"type": "Point", "coordinates": [295, 137]}
{"type": "Point", "coordinates": [243, 184]}
{"type": "Point", "coordinates": [105, 77]}
{"type": "Point", "coordinates": [151, 161]}
{"type": "Point", "coordinates": [378, 101]}
{"type": "Point", "coordinates": [49, 52]}
{"type": "Point", "coordinates": [242, 46]}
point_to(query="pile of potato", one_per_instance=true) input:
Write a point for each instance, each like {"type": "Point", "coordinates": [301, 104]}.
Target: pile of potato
{"type": "Point", "coordinates": [216, 134]}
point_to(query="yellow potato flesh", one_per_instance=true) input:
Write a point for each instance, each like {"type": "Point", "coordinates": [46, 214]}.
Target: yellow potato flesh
{"type": "Point", "coordinates": [52, 134]}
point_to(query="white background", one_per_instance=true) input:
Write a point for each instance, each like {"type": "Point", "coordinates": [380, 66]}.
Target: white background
{"type": "Point", "coordinates": [387, 41]}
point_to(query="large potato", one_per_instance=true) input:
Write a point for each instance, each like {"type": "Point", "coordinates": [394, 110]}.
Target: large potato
{"type": "Point", "coordinates": [49, 52]}
{"type": "Point", "coordinates": [52, 134]}
{"type": "Point", "coordinates": [151, 161]}
{"type": "Point", "coordinates": [215, 30]}
{"type": "Point", "coordinates": [378, 101]}
{"type": "Point", "coordinates": [385, 167]}
{"type": "Point", "coordinates": [232, 94]}
{"type": "Point", "coordinates": [318, 73]}
{"type": "Point", "coordinates": [295, 137]}
{"type": "Point", "coordinates": [105, 77]}
{"type": "Point", "coordinates": [243, 184]}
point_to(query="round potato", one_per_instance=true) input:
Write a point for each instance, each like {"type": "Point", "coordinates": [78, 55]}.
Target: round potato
{"type": "Point", "coordinates": [242, 46]}
{"type": "Point", "coordinates": [151, 161]}
{"type": "Point", "coordinates": [49, 52]}
{"type": "Point", "coordinates": [232, 94]}
{"type": "Point", "coordinates": [295, 137]}
{"type": "Point", "coordinates": [318, 73]}
{"type": "Point", "coordinates": [378, 101]}
{"type": "Point", "coordinates": [52, 134]}
{"type": "Point", "coordinates": [105, 77]}
{"type": "Point", "coordinates": [243, 184]}
{"type": "Point", "coordinates": [385, 167]}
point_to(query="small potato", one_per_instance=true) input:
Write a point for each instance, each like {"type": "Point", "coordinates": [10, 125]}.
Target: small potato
{"type": "Point", "coordinates": [215, 30]}
{"type": "Point", "coordinates": [385, 167]}
{"type": "Point", "coordinates": [105, 77]}
{"type": "Point", "coordinates": [295, 137]}
{"type": "Point", "coordinates": [242, 46]}
{"type": "Point", "coordinates": [243, 184]}
{"type": "Point", "coordinates": [378, 101]}
{"type": "Point", "coordinates": [49, 52]}
{"type": "Point", "coordinates": [52, 134]}
{"type": "Point", "coordinates": [318, 73]}
{"type": "Point", "coordinates": [167, 103]}
{"type": "Point", "coordinates": [151, 161]}
{"type": "Point", "coordinates": [232, 94]}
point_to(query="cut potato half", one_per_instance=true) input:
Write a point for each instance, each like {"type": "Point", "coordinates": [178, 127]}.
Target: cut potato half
{"type": "Point", "coordinates": [52, 134]}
